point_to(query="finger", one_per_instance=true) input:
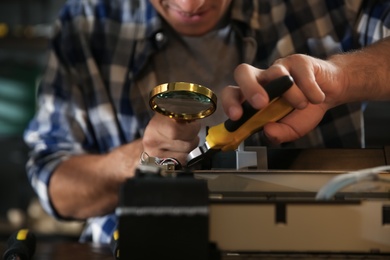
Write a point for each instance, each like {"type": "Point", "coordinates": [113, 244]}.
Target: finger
{"type": "Point", "coordinates": [302, 68]}
{"type": "Point", "coordinates": [232, 98]}
{"type": "Point", "coordinates": [278, 133]}
{"type": "Point", "coordinates": [295, 125]}
{"type": "Point", "coordinates": [296, 98]}
{"type": "Point", "coordinates": [294, 95]}
{"type": "Point", "coordinates": [273, 72]}
{"type": "Point", "coordinates": [247, 77]}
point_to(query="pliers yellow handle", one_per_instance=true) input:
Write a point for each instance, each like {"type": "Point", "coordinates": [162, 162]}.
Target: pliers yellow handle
{"type": "Point", "coordinates": [220, 138]}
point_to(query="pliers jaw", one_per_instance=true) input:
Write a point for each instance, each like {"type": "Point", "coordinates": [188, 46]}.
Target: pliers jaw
{"type": "Point", "coordinates": [199, 155]}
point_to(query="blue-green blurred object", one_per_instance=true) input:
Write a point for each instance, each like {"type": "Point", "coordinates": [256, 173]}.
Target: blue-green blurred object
{"type": "Point", "coordinates": [17, 99]}
{"type": "Point", "coordinates": [17, 106]}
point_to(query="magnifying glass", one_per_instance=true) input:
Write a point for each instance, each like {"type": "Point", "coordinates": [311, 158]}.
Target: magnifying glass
{"type": "Point", "coordinates": [183, 100]}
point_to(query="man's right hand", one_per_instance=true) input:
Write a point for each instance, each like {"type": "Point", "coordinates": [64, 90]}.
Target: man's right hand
{"type": "Point", "coordinates": [317, 88]}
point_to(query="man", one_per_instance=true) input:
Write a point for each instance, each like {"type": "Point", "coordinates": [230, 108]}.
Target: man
{"type": "Point", "coordinates": [106, 55]}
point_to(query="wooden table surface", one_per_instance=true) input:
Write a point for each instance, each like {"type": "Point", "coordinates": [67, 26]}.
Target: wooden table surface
{"type": "Point", "coordinates": [68, 251]}
{"type": "Point", "coordinates": [78, 251]}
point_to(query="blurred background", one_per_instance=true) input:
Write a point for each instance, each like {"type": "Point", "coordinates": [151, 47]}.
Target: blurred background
{"type": "Point", "coordinates": [25, 26]}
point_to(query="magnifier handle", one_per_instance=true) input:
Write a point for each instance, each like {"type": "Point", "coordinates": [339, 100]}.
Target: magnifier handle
{"type": "Point", "coordinates": [228, 135]}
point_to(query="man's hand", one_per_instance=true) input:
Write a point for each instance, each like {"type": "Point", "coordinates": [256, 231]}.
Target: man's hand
{"type": "Point", "coordinates": [165, 137]}
{"type": "Point", "coordinates": [319, 86]}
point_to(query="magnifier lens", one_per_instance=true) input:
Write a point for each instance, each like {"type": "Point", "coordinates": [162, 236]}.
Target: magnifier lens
{"type": "Point", "coordinates": [181, 100]}
{"type": "Point", "coordinates": [185, 102]}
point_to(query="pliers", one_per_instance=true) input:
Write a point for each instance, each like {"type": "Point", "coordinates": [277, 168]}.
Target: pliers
{"type": "Point", "coordinates": [228, 135]}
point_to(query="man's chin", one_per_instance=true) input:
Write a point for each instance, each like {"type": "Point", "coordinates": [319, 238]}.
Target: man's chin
{"type": "Point", "coordinates": [192, 31]}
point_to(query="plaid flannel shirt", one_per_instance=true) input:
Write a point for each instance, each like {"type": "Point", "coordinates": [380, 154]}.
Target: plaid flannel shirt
{"type": "Point", "coordinates": [85, 99]}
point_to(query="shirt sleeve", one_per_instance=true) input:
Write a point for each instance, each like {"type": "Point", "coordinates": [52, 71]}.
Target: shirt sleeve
{"type": "Point", "coordinates": [59, 128]}
{"type": "Point", "coordinates": [374, 22]}
{"type": "Point", "coordinates": [56, 132]}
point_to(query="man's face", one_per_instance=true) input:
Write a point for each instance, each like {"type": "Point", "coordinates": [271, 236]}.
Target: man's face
{"type": "Point", "coordinates": [191, 17]}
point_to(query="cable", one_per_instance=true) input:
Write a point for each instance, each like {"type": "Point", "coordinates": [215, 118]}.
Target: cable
{"type": "Point", "coordinates": [337, 183]}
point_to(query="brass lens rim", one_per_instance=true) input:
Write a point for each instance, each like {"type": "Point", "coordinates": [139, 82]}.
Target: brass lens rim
{"type": "Point", "coordinates": [185, 87]}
